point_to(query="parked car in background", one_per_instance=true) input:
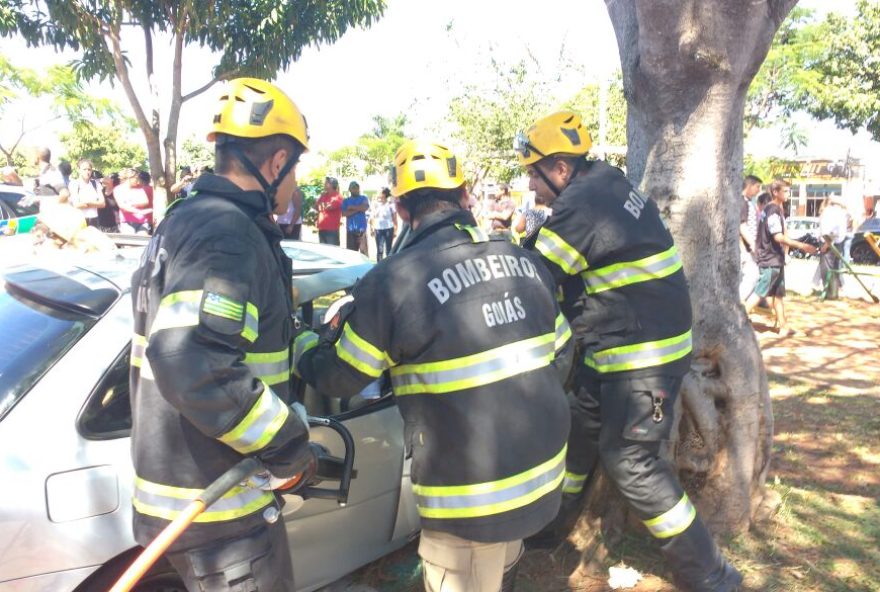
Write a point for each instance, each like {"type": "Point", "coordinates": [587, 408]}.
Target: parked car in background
{"type": "Point", "coordinates": [18, 210]}
{"type": "Point", "coordinates": [861, 251]}
{"type": "Point", "coordinates": [806, 230]}
{"type": "Point", "coordinates": [65, 419]}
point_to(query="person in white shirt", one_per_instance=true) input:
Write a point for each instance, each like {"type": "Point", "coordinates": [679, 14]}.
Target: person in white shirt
{"type": "Point", "coordinates": [49, 183]}
{"type": "Point", "coordinates": [383, 223]}
{"type": "Point", "coordinates": [832, 227]}
{"type": "Point", "coordinates": [86, 194]}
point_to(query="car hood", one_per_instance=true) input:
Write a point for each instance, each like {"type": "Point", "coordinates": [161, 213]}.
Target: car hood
{"type": "Point", "coordinates": [307, 288]}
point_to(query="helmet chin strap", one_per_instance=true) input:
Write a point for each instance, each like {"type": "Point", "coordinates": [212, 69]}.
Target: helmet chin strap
{"type": "Point", "coordinates": [269, 189]}
{"type": "Point", "coordinates": [556, 191]}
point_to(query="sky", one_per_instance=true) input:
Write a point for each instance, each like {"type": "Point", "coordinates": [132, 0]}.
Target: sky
{"type": "Point", "coordinates": [413, 60]}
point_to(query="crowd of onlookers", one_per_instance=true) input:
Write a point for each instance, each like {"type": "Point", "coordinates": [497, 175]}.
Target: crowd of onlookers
{"type": "Point", "coordinates": [113, 202]}
{"type": "Point", "coordinates": [765, 245]}
{"type": "Point", "coordinates": [122, 202]}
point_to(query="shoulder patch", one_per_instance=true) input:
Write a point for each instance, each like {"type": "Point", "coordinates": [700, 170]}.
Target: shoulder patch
{"type": "Point", "coordinates": [221, 306]}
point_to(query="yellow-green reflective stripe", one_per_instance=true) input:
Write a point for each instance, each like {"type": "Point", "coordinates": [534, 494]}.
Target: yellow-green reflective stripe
{"type": "Point", "coordinates": [138, 348]}
{"type": "Point", "coordinates": [493, 497]}
{"type": "Point", "coordinates": [359, 353]}
{"type": "Point", "coordinates": [260, 425]}
{"type": "Point", "coordinates": [270, 367]}
{"type": "Point", "coordinates": [303, 343]}
{"type": "Point", "coordinates": [674, 521]}
{"type": "Point", "coordinates": [474, 370]}
{"type": "Point", "coordinates": [554, 248]}
{"type": "Point", "coordinates": [251, 323]}
{"type": "Point", "coordinates": [573, 482]}
{"type": "Point", "coordinates": [176, 310]}
{"type": "Point", "coordinates": [641, 355]}
{"type": "Point", "coordinates": [477, 235]}
{"type": "Point", "coordinates": [632, 272]}
{"type": "Point", "coordinates": [563, 332]}
{"type": "Point", "coordinates": [167, 502]}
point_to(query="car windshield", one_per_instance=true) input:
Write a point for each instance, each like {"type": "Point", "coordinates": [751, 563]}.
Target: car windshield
{"type": "Point", "coordinates": [34, 338]}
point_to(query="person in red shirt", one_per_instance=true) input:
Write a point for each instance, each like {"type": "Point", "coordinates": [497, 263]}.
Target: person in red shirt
{"type": "Point", "coordinates": [329, 212]}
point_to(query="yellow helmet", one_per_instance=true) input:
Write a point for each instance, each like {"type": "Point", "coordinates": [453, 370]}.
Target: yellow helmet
{"type": "Point", "coordinates": [561, 133]}
{"type": "Point", "coordinates": [253, 108]}
{"type": "Point", "coordinates": [422, 164]}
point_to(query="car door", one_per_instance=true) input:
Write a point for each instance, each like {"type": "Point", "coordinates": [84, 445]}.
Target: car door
{"type": "Point", "coordinates": [327, 540]}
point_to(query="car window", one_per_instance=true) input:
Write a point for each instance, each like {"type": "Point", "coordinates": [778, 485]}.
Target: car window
{"type": "Point", "coordinates": [34, 338]}
{"type": "Point", "coordinates": [20, 205]}
{"type": "Point", "coordinates": [107, 412]}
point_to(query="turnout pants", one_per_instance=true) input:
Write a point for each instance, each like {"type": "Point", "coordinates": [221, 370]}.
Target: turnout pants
{"type": "Point", "coordinates": [623, 423]}
{"type": "Point", "coordinates": [454, 564]}
{"type": "Point", "coordinates": [258, 561]}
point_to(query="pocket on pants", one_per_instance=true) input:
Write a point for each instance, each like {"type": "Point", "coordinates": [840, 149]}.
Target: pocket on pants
{"type": "Point", "coordinates": [648, 415]}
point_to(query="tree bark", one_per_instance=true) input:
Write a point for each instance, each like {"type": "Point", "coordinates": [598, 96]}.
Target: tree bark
{"type": "Point", "coordinates": [151, 133]}
{"type": "Point", "coordinates": [687, 66]}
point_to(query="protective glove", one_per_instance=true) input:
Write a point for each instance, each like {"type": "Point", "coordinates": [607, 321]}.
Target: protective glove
{"type": "Point", "coordinates": [307, 459]}
{"type": "Point", "coordinates": [300, 411]}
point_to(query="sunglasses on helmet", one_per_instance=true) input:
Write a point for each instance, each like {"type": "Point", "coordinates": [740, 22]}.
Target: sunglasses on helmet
{"type": "Point", "coordinates": [522, 145]}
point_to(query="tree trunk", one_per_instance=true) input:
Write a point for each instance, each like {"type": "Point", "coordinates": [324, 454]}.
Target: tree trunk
{"type": "Point", "coordinates": [687, 65]}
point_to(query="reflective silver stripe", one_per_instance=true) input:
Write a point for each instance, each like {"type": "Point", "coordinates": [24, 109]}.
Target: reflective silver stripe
{"type": "Point", "coordinates": [180, 309]}
{"type": "Point", "coordinates": [573, 482]}
{"type": "Point", "coordinates": [138, 349]}
{"type": "Point", "coordinates": [641, 355]}
{"type": "Point", "coordinates": [270, 367]}
{"type": "Point", "coordinates": [494, 497]}
{"type": "Point", "coordinates": [563, 332]}
{"type": "Point", "coordinates": [674, 521]}
{"type": "Point", "coordinates": [146, 370]}
{"type": "Point", "coordinates": [303, 343]}
{"type": "Point", "coordinates": [475, 370]}
{"type": "Point", "coordinates": [260, 425]}
{"type": "Point", "coordinates": [361, 354]}
{"type": "Point", "coordinates": [632, 272]}
{"type": "Point", "coordinates": [167, 502]}
{"type": "Point", "coordinates": [553, 247]}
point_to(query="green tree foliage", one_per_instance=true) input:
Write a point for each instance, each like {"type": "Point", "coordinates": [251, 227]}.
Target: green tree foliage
{"type": "Point", "coordinates": [371, 154]}
{"type": "Point", "coordinates": [256, 38]}
{"type": "Point", "coordinates": [588, 103]}
{"type": "Point", "coordinates": [787, 79]}
{"type": "Point", "coordinates": [311, 191]}
{"type": "Point", "coordinates": [847, 88]}
{"type": "Point", "coordinates": [107, 146]}
{"type": "Point", "coordinates": [20, 86]}
{"type": "Point", "coordinates": [195, 152]}
{"type": "Point", "coordinates": [487, 117]}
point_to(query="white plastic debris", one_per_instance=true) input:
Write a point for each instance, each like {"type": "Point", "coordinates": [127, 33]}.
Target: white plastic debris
{"type": "Point", "coordinates": [622, 577]}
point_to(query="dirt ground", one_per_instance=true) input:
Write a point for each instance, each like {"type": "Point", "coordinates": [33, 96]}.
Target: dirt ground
{"type": "Point", "coordinates": [824, 535]}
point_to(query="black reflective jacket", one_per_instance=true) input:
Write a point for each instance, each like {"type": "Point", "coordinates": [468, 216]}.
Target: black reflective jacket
{"type": "Point", "coordinates": [624, 290]}
{"type": "Point", "coordinates": [210, 378]}
{"type": "Point", "coordinates": [473, 340]}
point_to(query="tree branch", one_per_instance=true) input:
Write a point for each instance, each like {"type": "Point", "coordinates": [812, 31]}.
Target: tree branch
{"type": "Point", "coordinates": [112, 38]}
{"type": "Point", "coordinates": [202, 89]}
{"type": "Point", "coordinates": [779, 9]}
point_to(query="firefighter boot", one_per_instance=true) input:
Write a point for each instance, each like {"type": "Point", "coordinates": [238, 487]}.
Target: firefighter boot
{"type": "Point", "coordinates": [697, 564]}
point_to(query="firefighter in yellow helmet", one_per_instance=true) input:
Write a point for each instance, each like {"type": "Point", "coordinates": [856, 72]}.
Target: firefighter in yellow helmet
{"type": "Point", "coordinates": [469, 331]}
{"type": "Point", "coordinates": [209, 359]}
{"type": "Point", "coordinates": [626, 297]}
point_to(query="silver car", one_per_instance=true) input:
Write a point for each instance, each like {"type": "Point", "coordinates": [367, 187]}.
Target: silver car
{"type": "Point", "coordinates": [65, 466]}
